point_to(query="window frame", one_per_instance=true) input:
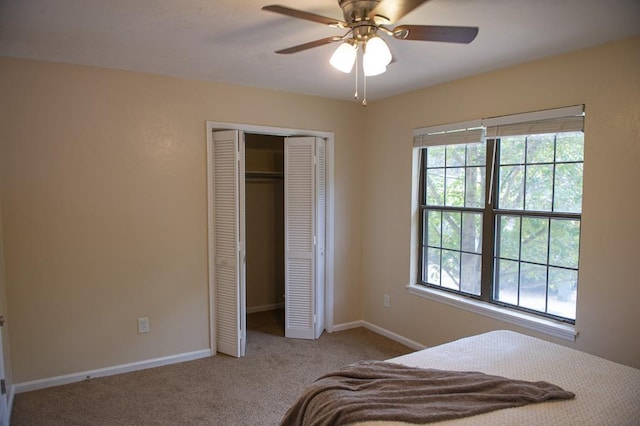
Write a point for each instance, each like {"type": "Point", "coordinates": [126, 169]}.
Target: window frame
{"type": "Point", "coordinates": [422, 207]}
{"type": "Point", "coordinates": [550, 215]}
{"type": "Point", "coordinates": [484, 304]}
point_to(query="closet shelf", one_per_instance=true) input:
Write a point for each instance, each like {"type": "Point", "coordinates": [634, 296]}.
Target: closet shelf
{"type": "Point", "coordinates": [264, 175]}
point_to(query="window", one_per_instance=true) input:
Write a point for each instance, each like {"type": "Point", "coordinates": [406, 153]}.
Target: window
{"type": "Point", "coordinates": [500, 214]}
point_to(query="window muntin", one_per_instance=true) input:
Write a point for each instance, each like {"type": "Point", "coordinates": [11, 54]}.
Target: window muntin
{"type": "Point", "coordinates": [536, 263]}
{"type": "Point", "coordinates": [541, 172]}
{"type": "Point", "coordinates": [454, 192]}
{"type": "Point", "coordinates": [532, 233]}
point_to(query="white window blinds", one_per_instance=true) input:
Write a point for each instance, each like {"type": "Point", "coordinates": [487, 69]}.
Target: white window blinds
{"type": "Point", "coordinates": [449, 134]}
{"type": "Point", "coordinates": [570, 119]}
{"type": "Point", "coordinates": [567, 119]}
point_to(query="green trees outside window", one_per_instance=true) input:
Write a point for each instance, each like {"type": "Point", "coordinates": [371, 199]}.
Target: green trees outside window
{"type": "Point", "coordinates": [511, 237]}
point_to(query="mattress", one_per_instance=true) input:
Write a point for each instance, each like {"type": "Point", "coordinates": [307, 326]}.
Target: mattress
{"type": "Point", "coordinates": [607, 393]}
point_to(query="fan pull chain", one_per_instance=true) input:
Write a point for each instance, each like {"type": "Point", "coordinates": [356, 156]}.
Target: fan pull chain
{"type": "Point", "coordinates": [355, 95]}
{"type": "Point", "coordinates": [364, 100]}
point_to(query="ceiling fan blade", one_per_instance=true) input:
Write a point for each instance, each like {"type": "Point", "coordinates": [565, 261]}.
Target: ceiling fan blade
{"type": "Point", "coordinates": [436, 33]}
{"type": "Point", "coordinates": [393, 10]}
{"type": "Point", "coordinates": [309, 45]}
{"type": "Point", "coordinates": [300, 14]}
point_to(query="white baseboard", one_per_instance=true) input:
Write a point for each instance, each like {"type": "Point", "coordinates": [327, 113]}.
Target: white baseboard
{"type": "Point", "coordinates": [173, 359]}
{"type": "Point", "coordinates": [383, 331]}
{"type": "Point", "coordinates": [393, 336]}
{"type": "Point", "coordinates": [263, 308]}
{"type": "Point", "coordinates": [348, 325]}
{"type": "Point", "coordinates": [109, 371]}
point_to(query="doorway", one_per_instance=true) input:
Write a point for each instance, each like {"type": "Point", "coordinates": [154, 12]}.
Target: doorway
{"type": "Point", "coordinates": [303, 267]}
{"type": "Point", "coordinates": [264, 224]}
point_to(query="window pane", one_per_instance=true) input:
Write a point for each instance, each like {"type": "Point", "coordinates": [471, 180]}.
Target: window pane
{"type": "Point", "coordinates": [539, 188]}
{"type": "Point", "coordinates": [476, 153]}
{"type": "Point", "coordinates": [568, 188]}
{"type": "Point", "coordinates": [434, 222]}
{"type": "Point", "coordinates": [534, 240]}
{"type": "Point", "coordinates": [450, 269]}
{"type": "Point", "coordinates": [533, 286]}
{"type": "Point", "coordinates": [471, 273]}
{"type": "Point", "coordinates": [535, 263]}
{"type": "Point", "coordinates": [433, 266]}
{"type": "Point", "coordinates": [540, 149]}
{"type": "Point", "coordinates": [570, 147]}
{"type": "Point", "coordinates": [506, 281]}
{"type": "Point", "coordinates": [511, 184]}
{"type": "Point", "coordinates": [475, 187]}
{"type": "Point", "coordinates": [512, 150]}
{"type": "Point", "coordinates": [564, 243]}
{"type": "Point", "coordinates": [509, 241]}
{"type": "Point", "coordinates": [563, 284]}
{"type": "Point", "coordinates": [472, 232]}
{"type": "Point", "coordinates": [451, 229]}
{"type": "Point", "coordinates": [456, 155]}
{"type": "Point", "coordinates": [435, 156]}
{"type": "Point", "coordinates": [454, 195]}
{"type": "Point", "coordinates": [435, 187]}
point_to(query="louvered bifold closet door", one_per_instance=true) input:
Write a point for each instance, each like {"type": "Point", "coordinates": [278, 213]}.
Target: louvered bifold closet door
{"type": "Point", "coordinates": [226, 237]}
{"type": "Point", "coordinates": [299, 211]}
{"type": "Point", "coordinates": [321, 208]}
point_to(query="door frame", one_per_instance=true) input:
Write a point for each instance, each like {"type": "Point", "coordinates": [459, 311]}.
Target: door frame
{"type": "Point", "coordinates": [330, 225]}
{"type": "Point", "coordinates": [5, 403]}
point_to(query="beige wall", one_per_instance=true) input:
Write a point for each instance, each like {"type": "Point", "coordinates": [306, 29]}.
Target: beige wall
{"type": "Point", "coordinates": [607, 80]}
{"type": "Point", "coordinates": [103, 190]}
{"type": "Point", "coordinates": [104, 207]}
{"type": "Point", "coordinates": [264, 202]}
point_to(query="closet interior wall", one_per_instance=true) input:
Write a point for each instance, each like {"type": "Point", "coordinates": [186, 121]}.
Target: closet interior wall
{"type": "Point", "coordinates": [264, 203]}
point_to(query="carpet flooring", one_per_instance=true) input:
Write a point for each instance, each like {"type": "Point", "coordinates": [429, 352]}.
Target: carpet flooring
{"type": "Point", "coordinates": [221, 390]}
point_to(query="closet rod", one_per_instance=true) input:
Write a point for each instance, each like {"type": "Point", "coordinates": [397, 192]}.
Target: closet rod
{"type": "Point", "coordinates": [264, 175]}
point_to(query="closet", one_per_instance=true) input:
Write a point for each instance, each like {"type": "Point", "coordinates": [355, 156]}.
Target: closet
{"type": "Point", "coordinates": [285, 264]}
{"type": "Point", "coordinates": [264, 222]}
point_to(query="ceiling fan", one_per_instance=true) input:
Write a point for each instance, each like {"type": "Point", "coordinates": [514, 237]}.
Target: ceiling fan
{"type": "Point", "coordinates": [364, 20]}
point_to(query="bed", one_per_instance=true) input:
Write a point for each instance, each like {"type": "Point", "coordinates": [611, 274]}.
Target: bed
{"type": "Point", "coordinates": [606, 393]}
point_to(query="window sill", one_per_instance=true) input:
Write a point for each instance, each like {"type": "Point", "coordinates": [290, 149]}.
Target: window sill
{"type": "Point", "coordinates": [542, 325]}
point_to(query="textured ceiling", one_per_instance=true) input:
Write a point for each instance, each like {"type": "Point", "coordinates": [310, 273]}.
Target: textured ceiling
{"type": "Point", "coordinates": [232, 41]}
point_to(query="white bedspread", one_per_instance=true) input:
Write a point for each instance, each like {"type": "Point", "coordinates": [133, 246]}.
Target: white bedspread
{"type": "Point", "coordinates": [607, 393]}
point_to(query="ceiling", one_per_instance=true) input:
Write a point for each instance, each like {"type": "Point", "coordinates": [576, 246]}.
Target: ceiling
{"type": "Point", "coordinates": [232, 41]}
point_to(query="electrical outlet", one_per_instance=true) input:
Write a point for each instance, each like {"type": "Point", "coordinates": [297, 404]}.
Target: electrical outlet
{"type": "Point", "coordinates": [386, 301]}
{"type": "Point", "coordinates": [143, 325]}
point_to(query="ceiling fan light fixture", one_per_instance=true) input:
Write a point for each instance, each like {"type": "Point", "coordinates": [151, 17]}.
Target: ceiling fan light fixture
{"type": "Point", "coordinates": [376, 57]}
{"type": "Point", "coordinates": [378, 51]}
{"type": "Point", "coordinates": [344, 57]}
{"type": "Point", "coordinates": [372, 67]}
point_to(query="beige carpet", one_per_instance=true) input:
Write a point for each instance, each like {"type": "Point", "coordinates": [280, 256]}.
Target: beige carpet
{"type": "Point", "coordinates": [220, 390]}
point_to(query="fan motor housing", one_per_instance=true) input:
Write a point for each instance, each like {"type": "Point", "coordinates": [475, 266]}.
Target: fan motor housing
{"type": "Point", "coordinates": [357, 10]}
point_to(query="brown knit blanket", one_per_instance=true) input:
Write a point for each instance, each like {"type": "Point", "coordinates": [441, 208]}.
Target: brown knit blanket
{"type": "Point", "coordinates": [377, 390]}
